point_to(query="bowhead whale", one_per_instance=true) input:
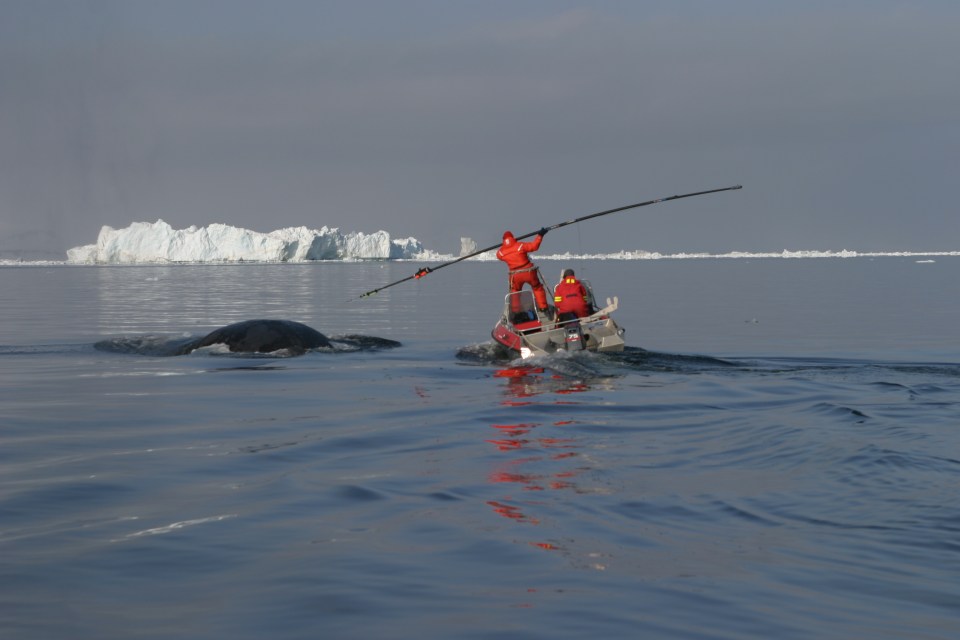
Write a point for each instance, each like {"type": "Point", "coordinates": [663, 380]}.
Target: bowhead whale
{"type": "Point", "coordinates": [262, 336]}
{"type": "Point", "coordinates": [250, 336]}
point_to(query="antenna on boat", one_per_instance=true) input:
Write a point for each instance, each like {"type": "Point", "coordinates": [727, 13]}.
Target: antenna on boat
{"type": "Point", "coordinates": [428, 270]}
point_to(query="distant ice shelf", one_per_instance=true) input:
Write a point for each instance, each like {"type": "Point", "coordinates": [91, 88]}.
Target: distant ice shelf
{"type": "Point", "coordinates": [158, 242]}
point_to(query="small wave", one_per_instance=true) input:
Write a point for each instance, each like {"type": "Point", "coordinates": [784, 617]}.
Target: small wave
{"type": "Point", "coordinates": [838, 411]}
{"type": "Point", "coordinates": [357, 342]}
{"type": "Point", "coordinates": [146, 345]}
{"type": "Point", "coordinates": [742, 513]}
{"type": "Point", "coordinates": [876, 456]}
{"type": "Point", "coordinates": [356, 493]}
{"type": "Point", "coordinates": [42, 349]}
{"type": "Point", "coordinates": [176, 526]}
{"type": "Point", "coordinates": [641, 359]}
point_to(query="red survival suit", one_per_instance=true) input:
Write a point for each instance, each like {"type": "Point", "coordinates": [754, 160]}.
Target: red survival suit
{"type": "Point", "coordinates": [570, 297]}
{"type": "Point", "coordinates": [522, 270]}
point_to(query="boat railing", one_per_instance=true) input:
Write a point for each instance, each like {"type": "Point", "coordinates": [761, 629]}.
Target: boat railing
{"type": "Point", "coordinates": [601, 314]}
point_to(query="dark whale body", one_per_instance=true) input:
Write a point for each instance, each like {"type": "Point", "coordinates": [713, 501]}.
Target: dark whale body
{"type": "Point", "coordinates": [262, 336]}
{"type": "Point", "coordinates": [277, 337]}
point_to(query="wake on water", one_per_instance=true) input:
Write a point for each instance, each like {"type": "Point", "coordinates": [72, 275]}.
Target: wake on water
{"type": "Point", "coordinates": [589, 365]}
{"type": "Point", "coordinates": [629, 358]}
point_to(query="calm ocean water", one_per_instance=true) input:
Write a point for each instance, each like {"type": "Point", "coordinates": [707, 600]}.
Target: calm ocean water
{"type": "Point", "coordinates": [782, 462]}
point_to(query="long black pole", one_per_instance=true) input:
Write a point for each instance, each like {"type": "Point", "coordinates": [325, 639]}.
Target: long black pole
{"type": "Point", "coordinates": [425, 270]}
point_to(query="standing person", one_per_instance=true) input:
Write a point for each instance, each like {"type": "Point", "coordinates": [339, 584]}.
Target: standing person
{"type": "Point", "coordinates": [571, 298]}
{"type": "Point", "coordinates": [522, 271]}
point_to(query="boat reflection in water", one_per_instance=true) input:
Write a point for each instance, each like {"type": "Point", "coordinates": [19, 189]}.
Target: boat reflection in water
{"type": "Point", "coordinates": [537, 457]}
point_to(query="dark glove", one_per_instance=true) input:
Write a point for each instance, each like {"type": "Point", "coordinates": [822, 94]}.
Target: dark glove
{"type": "Point", "coordinates": [543, 232]}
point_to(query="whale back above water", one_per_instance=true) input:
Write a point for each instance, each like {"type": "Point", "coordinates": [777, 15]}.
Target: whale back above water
{"type": "Point", "coordinates": [262, 336]}
{"type": "Point", "coordinates": [277, 337]}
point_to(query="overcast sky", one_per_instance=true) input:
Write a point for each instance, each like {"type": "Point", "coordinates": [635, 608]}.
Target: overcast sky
{"type": "Point", "coordinates": [443, 118]}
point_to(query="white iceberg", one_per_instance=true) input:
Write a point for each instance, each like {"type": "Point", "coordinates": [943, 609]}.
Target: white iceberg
{"type": "Point", "coordinates": [467, 246]}
{"type": "Point", "coordinates": [158, 242]}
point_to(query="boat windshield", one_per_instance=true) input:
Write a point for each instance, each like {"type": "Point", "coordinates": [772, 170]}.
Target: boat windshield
{"type": "Point", "coordinates": [520, 306]}
{"type": "Point", "coordinates": [591, 302]}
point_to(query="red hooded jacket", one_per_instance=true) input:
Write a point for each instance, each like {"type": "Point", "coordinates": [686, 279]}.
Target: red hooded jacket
{"type": "Point", "coordinates": [514, 253]}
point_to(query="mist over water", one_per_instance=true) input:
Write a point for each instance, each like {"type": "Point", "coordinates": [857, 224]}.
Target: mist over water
{"type": "Point", "coordinates": [773, 456]}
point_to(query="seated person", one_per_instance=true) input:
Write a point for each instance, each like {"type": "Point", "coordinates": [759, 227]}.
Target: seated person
{"type": "Point", "coordinates": [571, 298]}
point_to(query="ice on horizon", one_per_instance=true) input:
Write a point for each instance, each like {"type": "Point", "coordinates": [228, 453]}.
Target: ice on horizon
{"type": "Point", "coordinates": [158, 242]}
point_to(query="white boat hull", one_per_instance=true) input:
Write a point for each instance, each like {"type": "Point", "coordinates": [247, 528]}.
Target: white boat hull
{"type": "Point", "coordinates": [533, 333]}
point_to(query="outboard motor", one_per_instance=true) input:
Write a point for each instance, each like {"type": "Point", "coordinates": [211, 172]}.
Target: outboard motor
{"type": "Point", "coordinates": [574, 337]}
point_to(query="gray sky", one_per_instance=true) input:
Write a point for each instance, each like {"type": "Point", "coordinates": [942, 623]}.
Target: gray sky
{"type": "Point", "coordinates": [442, 118]}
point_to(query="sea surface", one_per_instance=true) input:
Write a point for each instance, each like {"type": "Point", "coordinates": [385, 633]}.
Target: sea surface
{"type": "Point", "coordinates": [777, 455]}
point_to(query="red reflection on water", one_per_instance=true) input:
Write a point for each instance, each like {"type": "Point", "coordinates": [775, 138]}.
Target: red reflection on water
{"type": "Point", "coordinates": [515, 439]}
{"type": "Point", "coordinates": [511, 511]}
{"type": "Point", "coordinates": [516, 429]}
{"type": "Point", "coordinates": [516, 372]}
{"type": "Point", "coordinates": [526, 472]}
{"type": "Point", "coordinates": [525, 382]}
{"type": "Point", "coordinates": [506, 445]}
{"type": "Point", "coordinates": [554, 443]}
{"type": "Point", "coordinates": [545, 545]}
{"type": "Point", "coordinates": [543, 445]}
{"type": "Point", "coordinates": [518, 384]}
